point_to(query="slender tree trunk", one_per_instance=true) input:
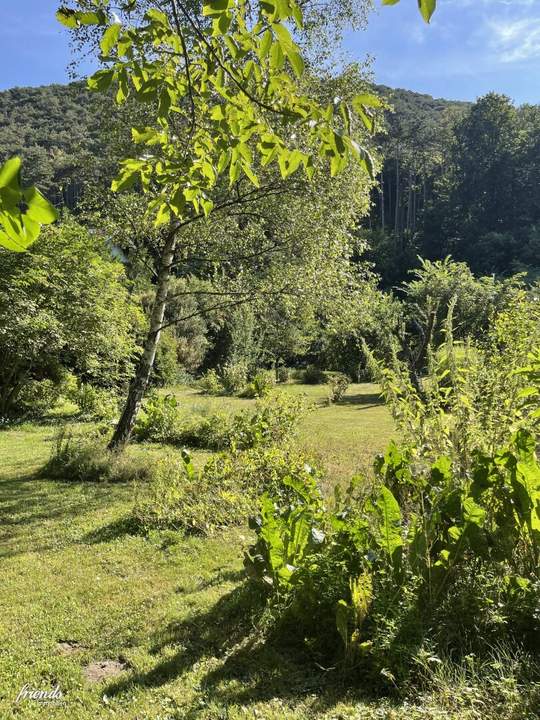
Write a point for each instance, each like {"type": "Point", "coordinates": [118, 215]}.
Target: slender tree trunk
{"type": "Point", "coordinates": [396, 207]}
{"type": "Point", "coordinates": [382, 201]}
{"type": "Point", "coordinates": [410, 204]}
{"type": "Point", "coordinates": [139, 383]}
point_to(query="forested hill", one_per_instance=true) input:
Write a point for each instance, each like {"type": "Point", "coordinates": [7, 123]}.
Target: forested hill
{"type": "Point", "coordinates": [458, 178]}
{"type": "Point", "coordinates": [408, 104]}
{"type": "Point", "coordinates": [53, 126]}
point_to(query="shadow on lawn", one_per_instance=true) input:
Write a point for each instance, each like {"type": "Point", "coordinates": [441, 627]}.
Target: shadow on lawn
{"type": "Point", "coordinates": [30, 500]}
{"type": "Point", "coordinates": [121, 527]}
{"type": "Point", "coordinates": [362, 399]}
{"type": "Point", "coordinates": [250, 670]}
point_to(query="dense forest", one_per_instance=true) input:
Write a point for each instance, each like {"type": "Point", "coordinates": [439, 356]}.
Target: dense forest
{"type": "Point", "coordinates": [481, 208]}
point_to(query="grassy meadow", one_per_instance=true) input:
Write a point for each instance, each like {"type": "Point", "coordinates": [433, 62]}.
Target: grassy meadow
{"type": "Point", "coordinates": [77, 588]}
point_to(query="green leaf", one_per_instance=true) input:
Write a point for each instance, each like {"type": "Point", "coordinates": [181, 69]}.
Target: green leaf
{"type": "Point", "coordinates": [473, 512]}
{"type": "Point", "coordinates": [342, 621]}
{"type": "Point", "coordinates": [91, 18]}
{"type": "Point", "coordinates": [39, 208]}
{"type": "Point", "coordinates": [10, 174]}
{"type": "Point", "coordinates": [9, 244]}
{"type": "Point", "coordinates": [265, 44]}
{"type": "Point", "coordinates": [147, 135]}
{"type": "Point", "coordinates": [163, 215]}
{"type": "Point", "coordinates": [390, 527]}
{"type": "Point", "coordinates": [426, 7]}
{"type": "Point", "coordinates": [215, 7]}
{"type": "Point", "coordinates": [101, 80]}
{"type": "Point", "coordinates": [20, 226]}
{"type": "Point", "coordinates": [367, 100]}
{"type": "Point", "coordinates": [283, 35]}
{"type": "Point", "coordinates": [67, 17]}
{"type": "Point", "coordinates": [110, 38]}
{"type": "Point", "coordinates": [165, 102]}
{"type": "Point", "coordinates": [296, 61]}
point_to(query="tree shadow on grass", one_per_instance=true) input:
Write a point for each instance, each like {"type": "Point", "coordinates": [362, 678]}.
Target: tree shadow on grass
{"type": "Point", "coordinates": [29, 500]}
{"type": "Point", "coordinates": [207, 634]}
{"type": "Point", "coordinates": [250, 669]}
{"type": "Point", "coordinates": [121, 527]}
{"type": "Point", "coordinates": [362, 399]}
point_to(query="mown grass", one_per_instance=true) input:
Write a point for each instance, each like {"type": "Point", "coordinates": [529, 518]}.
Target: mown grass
{"type": "Point", "coordinates": [343, 438]}
{"type": "Point", "coordinates": [176, 610]}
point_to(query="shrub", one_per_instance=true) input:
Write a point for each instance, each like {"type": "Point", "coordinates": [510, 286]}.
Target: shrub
{"type": "Point", "coordinates": [210, 384]}
{"type": "Point", "coordinates": [313, 375]}
{"type": "Point", "coordinates": [166, 370]}
{"type": "Point", "coordinates": [64, 301]}
{"type": "Point", "coordinates": [261, 385]}
{"type": "Point", "coordinates": [95, 404]}
{"type": "Point", "coordinates": [211, 432]}
{"type": "Point", "coordinates": [338, 384]}
{"type": "Point", "coordinates": [86, 459]}
{"type": "Point", "coordinates": [431, 558]}
{"type": "Point", "coordinates": [274, 421]}
{"type": "Point", "coordinates": [37, 397]}
{"type": "Point", "coordinates": [234, 377]}
{"type": "Point", "coordinates": [159, 420]}
{"type": "Point", "coordinates": [283, 374]}
{"type": "Point", "coordinates": [222, 493]}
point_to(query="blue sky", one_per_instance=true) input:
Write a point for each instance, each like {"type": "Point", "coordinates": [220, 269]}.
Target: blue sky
{"type": "Point", "coordinates": [471, 47]}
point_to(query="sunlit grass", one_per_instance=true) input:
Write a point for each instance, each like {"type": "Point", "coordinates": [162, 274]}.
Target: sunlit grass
{"type": "Point", "coordinates": [175, 609]}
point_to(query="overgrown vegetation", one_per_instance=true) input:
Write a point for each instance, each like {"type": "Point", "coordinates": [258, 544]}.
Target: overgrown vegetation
{"type": "Point", "coordinates": [274, 419]}
{"type": "Point", "coordinates": [438, 556]}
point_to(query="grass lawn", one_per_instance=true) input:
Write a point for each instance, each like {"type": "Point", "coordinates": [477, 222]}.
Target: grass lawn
{"type": "Point", "coordinates": [342, 438]}
{"type": "Point", "coordinates": [173, 613]}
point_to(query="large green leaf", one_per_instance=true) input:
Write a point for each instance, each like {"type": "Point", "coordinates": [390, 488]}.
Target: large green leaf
{"type": "Point", "coordinates": [10, 174]}
{"type": "Point", "coordinates": [39, 208]}
{"type": "Point", "coordinates": [390, 527]}
{"type": "Point", "coordinates": [22, 212]}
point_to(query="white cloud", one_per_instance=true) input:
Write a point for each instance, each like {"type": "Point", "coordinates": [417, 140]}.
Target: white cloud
{"type": "Point", "coordinates": [515, 40]}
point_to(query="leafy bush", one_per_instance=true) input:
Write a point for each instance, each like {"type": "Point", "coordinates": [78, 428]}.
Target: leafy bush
{"type": "Point", "coordinates": [433, 558]}
{"type": "Point", "coordinates": [159, 420]}
{"type": "Point", "coordinates": [234, 377]}
{"type": "Point", "coordinates": [313, 375]}
{"type": "Point", "coordinates": [274, 420]}
{"type": "Point", "coordinates": [94, 403]}
{"type": "Point", "coordinates": [210, 384]}
{"type": "Point", "coordinates": [338, 384]}
{"type": "Point", "coordinates": [261, 385]}
{"type": "Point", "coordinates": [222, 493]}
{"type": "Point", "coordinates": [63, 303]}
{"type": "Point", "coordinates": [37, 397]}
{"type": "Point", "coordinates": [211, 432]}
{"type": "Point", "coordinates": [86, 459]}
{"type": "Point", "coordinates": [283, 374]}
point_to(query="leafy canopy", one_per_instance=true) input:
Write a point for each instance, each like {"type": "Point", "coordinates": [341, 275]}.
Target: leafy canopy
{"type": "Point", "coordinates": [22, 211]}
{"type": "Point", "coordinates": [64, 304]}
{"type": "Point", "coordinates": [227, 86]}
